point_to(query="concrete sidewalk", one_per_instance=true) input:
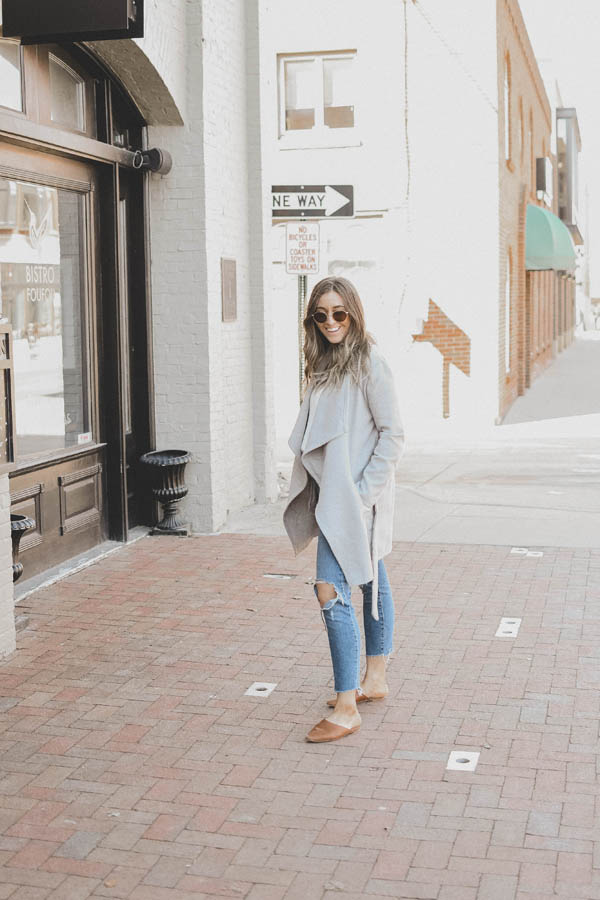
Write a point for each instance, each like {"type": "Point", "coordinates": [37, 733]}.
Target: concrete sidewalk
{"type": "Point", "coordinates": [568, 387]}
{"type": "Point", "coordinates": [524, 489]}
{"type": "Point", "coordinates": [533, 480]}
{"type": "Point", "coordinates": [135, 766]}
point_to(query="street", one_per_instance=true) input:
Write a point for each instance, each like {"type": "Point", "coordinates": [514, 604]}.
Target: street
{"type": "Point", "coordinates": [134, 764]}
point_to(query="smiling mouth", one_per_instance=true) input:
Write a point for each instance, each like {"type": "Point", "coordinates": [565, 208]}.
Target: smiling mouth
{"type": "Point", "coordinates": [333, 330]}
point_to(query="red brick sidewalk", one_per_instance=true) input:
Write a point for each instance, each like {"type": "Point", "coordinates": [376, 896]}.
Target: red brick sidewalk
{"type": "Point", "coordinates": [133, 765]}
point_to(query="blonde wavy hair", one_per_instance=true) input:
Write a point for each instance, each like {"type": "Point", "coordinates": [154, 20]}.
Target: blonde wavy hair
{"type": "Point", "coordinates": [328, 364]}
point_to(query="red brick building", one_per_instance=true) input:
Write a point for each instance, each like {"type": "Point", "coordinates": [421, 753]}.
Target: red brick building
{"type": "Point", "coordinates": [537, 296]}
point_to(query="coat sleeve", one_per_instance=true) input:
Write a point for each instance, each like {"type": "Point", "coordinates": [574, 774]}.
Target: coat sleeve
{"type": "Point", "coordinates": [381, 398]}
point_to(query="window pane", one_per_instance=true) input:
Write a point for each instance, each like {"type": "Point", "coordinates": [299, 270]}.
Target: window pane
{"type": "Point", "coordinates": [300, 94]}
{"type": "Point", "coordinates": [338, 93]}
{"type": "Point", "coordinates": [41, 295]}
{"type": "Point", "coordinates": [67, 95]}
{"type": "Point", "coordinates": [10, 75]}
{"type": "Point", "coordinates": [126, 130]}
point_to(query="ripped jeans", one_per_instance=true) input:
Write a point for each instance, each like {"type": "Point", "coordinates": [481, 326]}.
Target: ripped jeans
{"type": "Point", "coordinates": [340, 619]}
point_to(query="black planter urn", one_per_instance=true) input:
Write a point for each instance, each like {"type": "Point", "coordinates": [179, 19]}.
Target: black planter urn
{"type": "Point", "coordinates": [19, 525]}
{"type": "Point", "coordinates": [166, 469]}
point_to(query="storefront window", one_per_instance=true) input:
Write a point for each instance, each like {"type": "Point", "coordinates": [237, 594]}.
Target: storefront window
{"type": "Point", "coordinates": [41, 296]}
{"type": "Point", "coordinates": [67, 95]}
{"type": "Point", "coordinates": [11, 94]}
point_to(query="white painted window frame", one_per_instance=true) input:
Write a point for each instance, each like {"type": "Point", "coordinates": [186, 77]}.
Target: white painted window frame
{"type": "Point", "coordinates": [319, 136]}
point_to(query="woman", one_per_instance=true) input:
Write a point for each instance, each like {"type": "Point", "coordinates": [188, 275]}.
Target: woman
{"type": "Point", "coordinates": [347, 441]}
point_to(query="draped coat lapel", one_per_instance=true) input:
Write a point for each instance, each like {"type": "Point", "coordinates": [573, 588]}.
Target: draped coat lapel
{"type": "Point", "coordinates": [350, 451]}
{"type": "Point", "coordinates": [328, 422]}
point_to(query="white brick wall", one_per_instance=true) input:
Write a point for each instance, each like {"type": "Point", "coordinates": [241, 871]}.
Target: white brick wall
{"type": "Point", "coordinates": [179, 289]}
{"type": "Point", "coordinates": [260, 269]}
{"type": "Point", "coordinates": [226, 211]}
{"type": "Point", "coordinates": [7, 606]}
{"type": "Point", "coordinates": [211, 377]}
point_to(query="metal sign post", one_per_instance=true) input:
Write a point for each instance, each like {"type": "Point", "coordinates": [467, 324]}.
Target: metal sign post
{"type": "Point", "coordinates": [301, 257]}
{"type": "Point", "coordinates": [304, 202]}
{"type": "Point", "coordinates": [301, 314]}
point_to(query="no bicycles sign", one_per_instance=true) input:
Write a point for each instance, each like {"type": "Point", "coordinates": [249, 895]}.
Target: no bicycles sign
{"type": "Point", "coordinates": [301, 248]}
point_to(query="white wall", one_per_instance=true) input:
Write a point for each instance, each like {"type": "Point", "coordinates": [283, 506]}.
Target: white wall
{"type": "Point", "coordinates": [454, 207]}
{"type": "Point", "coordinates": [441, 243]}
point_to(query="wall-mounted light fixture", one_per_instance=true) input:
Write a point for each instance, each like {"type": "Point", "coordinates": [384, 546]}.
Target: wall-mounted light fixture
{"type": "Point", "coordinates": [154, 160]}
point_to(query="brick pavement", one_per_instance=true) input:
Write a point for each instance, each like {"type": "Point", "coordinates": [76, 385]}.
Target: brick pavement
{"type": "Point", "coordinates": [133, 766]}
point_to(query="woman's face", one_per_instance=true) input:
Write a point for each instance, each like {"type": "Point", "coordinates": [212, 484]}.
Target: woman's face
{"type": "Point", "coordinates": [335, 332]}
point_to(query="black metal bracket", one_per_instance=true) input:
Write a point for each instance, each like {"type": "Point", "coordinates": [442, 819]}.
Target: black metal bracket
{"type": "Point", "coordinates": [154, 160]}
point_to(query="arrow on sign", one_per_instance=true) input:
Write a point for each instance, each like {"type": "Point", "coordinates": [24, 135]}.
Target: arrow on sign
{"type": "Point", "coordinates": [299, 201]}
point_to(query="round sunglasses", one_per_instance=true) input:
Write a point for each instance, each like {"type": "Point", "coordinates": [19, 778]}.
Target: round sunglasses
{"type": "Point", "coordinates": [339, 315]}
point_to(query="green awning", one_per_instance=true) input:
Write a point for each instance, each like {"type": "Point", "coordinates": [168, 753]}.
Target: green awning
{"type": "Point", "coordinates": [548, 243]}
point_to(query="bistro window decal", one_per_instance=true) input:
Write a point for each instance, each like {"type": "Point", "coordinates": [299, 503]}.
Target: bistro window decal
{"type": "Point", "coordinates": [42, 21]}
{"type": "Point", "coordinates": [37, 233]}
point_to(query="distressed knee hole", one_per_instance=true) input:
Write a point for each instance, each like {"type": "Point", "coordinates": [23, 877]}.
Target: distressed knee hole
{"type": "Point", "coordinates": [327, 595]}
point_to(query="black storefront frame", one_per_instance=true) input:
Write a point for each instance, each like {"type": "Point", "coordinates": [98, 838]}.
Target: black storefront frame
{"type": "Point", "coordinates": [114, 167]}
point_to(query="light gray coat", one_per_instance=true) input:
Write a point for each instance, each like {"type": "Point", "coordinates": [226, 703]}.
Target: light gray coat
{"type": "Point", "coordinates": [351, 452]}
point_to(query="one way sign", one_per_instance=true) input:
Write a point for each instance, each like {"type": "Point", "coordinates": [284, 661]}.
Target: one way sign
{"type": "Point", "coordinates": [303, 201]}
